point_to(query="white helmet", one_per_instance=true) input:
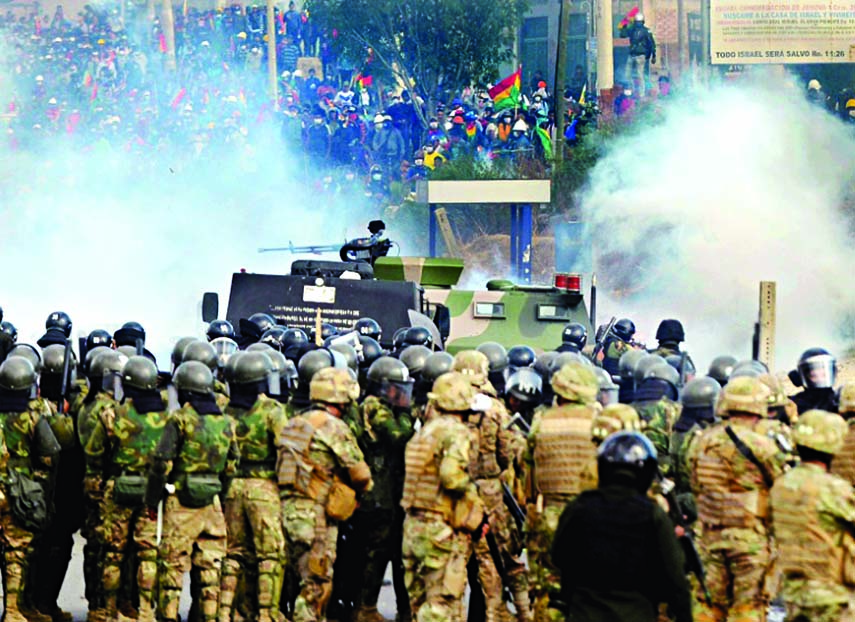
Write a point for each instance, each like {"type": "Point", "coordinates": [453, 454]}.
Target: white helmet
{"type": "Point", "coordinates": [520, 126]}
{"type": "Point", "coordinates": [639, 17]}
{"type": "Point", "coordinates": [814, 85]}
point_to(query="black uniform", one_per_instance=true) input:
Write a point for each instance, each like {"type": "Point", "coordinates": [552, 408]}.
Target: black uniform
{"type": "Point", "coordinates": [619, 558]}
{"type": "Point", "coordinates": [815, 399]}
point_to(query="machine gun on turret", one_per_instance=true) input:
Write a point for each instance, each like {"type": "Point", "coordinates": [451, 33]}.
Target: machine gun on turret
{"type": "Point", "coordinates": [367, 249]}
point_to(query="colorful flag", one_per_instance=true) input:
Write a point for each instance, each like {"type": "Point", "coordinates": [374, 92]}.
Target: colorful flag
{"type": "Point", "coordinates": [506, 94]}
{"type": "Point", "coordinates": [584, 92]}
{"type": "Point", "coordinates": [178, 97]}
{"type": "Point", "coordinates": [629, 17]}
{"type": "Point", "coordinates": [545, 141]}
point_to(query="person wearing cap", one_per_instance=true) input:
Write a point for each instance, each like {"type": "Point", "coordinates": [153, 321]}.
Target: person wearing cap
{"type": "Point", "coordinates": [387, 144]}
{"type": "Point", "coordinates": [815, 94]}
{"type": "Point", "coordinates": [288, 55]}
{"type": "Point", "coordinates": [642, 52]}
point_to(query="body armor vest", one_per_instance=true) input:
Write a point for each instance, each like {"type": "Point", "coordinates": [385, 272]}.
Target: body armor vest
{"type": "Point", "coordinates": [296, 471]}
{"type": "Point", "coordinates": [805, 547]}
{"type": "Point", "coordinates": [562, 449]}
{"type": "Point", "coordinates": [422, 486]}
{"type": "Point", "coordinates": [731, 492]}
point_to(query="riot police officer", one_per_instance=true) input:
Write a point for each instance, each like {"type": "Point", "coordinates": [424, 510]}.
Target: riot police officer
{"type": "Point", "coordinates": [574, 338]}
{"type": "Point", "coordinates": [816, 374]}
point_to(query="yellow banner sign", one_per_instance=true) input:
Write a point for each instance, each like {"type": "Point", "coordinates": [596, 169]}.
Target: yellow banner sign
{"type": "Point", "coordinates": [782, 31]}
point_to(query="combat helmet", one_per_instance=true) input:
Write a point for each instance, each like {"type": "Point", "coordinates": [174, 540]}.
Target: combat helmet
{"type": "Point", "coordinates": [820, 431]}
{"type": "Point", "coordinates": [17, 374]}
{"type": "Point", "coordinates": [140, 373]}
{"type": "Point", "coordinates": [193, 377]}
{"type": "Point", "coordinates": [453, 392]}
{"type": "Point", "coordinates": [576, 383]}
{"type": "Point", "coordinates": [743, 395]}
{"type": "Point", "coordinates": [472, 364]}
{"type": "Point", "coordinates": [333, 385]}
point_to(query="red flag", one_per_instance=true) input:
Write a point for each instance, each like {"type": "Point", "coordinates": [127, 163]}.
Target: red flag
{"type": "Point", "coordinates": [94, 95]}
{"type": "Point", "coordinates": [178, 97]}
{"type": "Point", "coordinates": [162, 41]}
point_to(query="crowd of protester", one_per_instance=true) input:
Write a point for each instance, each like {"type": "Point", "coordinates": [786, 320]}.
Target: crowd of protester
{"type": "Point", "coordinates": [110, 77]}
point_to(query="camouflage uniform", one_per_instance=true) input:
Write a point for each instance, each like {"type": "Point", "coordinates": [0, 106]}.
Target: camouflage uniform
{"type": "Point", "coordinates": [30, 452]}
{"type": "Point", "coordinates": [88, 415]}
{"type": "Point", "coordinates": [320, 468]}
{"type": "Point", "coordinates": [843, 464]}
{"type": "Point", "coordinates": [252, 509]}
{"type": "Point", "coordinates": [813, 515]}
{"type": "Point", "coordinates": [559, 448]}
{"type": "Point", "coordinates": [732, 498]}
{"type": "Point", "coordinates": [491, 455]}
{"type": "Point", "coordinates": [197, 452]}
{"type": "Point", "coordinates": [379, 518]}
{"type": "Point", "coordinates": [118, 453]}
{"type": "Point", "coordinates": [659, 418]}
{"type": "Point", "coordinates": [612, 351]}
{"type": "Point", "coordinates": [442, 505]}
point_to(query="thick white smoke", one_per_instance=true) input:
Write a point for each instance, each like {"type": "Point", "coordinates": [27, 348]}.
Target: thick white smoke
{"type": "Point", "coordinates": [737, 184]}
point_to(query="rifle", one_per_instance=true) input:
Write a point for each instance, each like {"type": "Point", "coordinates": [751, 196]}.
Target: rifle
{"type": "Point", "coordinates": [601, 338]}
{"type": "Point", "coordinates": [519, 421]}
{"type": "Point", "coordinates": [499, 562]}
{"type": "Point", "coordinates": [66, 368]}
{"type": "Point", "coordinates": [687, 540]}
{"type": "Point", "coordinates": [514, 508]}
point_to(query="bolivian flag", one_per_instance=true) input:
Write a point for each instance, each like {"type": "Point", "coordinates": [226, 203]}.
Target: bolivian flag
{"type": "Point", "coordinates": [506, 94]}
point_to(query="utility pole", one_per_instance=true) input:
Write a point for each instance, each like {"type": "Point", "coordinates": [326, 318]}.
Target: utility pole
{"type": "Point", "coordinates": [605, 53]}
{"type": "Point", "coordinates": [560, 78]}
{"type": "Point", "coordinates": [271, 54]}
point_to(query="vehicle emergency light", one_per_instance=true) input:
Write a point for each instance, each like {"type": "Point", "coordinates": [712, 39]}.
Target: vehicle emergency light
{"type": "Point", "coordinates": [568, 282]}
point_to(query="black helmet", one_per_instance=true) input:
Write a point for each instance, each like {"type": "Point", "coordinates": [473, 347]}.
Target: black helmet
{"type": "Point", "coordinates": [311, 363]}
{"type": "Point", "coordinates": [575, 334]}
{"type": "Point", "coordinates": [436, 365]}
{"type": "Point", "coordinates": [521, 356]}
{"type": "Point", "coordinates": [327, 331]}
{"type": "Point", "coordinates": [526, 385]}
{"type": "Point", "coordinates": [140, 372]}
{"type": "Point", "coordinates": [292, 341]}
{"type": "Point", "coordinates": [371, 350]}
{"type": "Point", "coordinates": [29, 352]}
{"type": "Point", "coordinates": [496, 354]}
{"type": "Point", "coordinates": [193, 377]}
{"type": "Point", "coordinates": [624, 329]}
{"type": "Point", "coordinates": [414, 357]}
{"type": "Point", "coordinates": [177, 356]}
{"type": "Point", "coordinates": [817, 369]}
{"type": "Point", "coordinates": [273, 337]}
{"type": "Point", "coordinates": [418, 336]}
{"type": "Point", "coordinates": [543, 365]}
{"type": "Point", "coordinates": [201, 351]}
{"type": "Point", "coordinates": [252, 367]}
{"type": "Point", "coordinates": [627, 458]}
{"type": "Point", "coordinates": [1, 314]}
{"type": "Point", "coordinates": [671, 331]}
{"type": "Point", "coordinates": [220, 328]}
{"type": "Point", "coordinates": [721, 367]}
{"type": "Point", "coordinates": [17, 374]}
{"type": "Point", "coordinates": [8, 329]}
{"type": "Point", "coordinates": [98, 337]}
{"type": "Point", "coordinates": [700, 393]}
{"type": "Point", "coordinates": [644, 364]}
{"type": "Point", "coordinates": [368, 327]}
{"type": "Point", "coordinates": [389, 379]}
{"type": "Point", "coordinates": [129, 333]}
{"type": "Point", "coordinates": [255, 325]}
{"type": "Point", "coordinates": [398, 339]}
{"type": "Point", "coordinates": [59, 320]}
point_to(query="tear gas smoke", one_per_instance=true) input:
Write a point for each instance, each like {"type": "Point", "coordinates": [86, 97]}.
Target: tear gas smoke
{"type": "Point", "coordinates": [736, 185]}
{"type": "Point", "coordinates": [111, 235]}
